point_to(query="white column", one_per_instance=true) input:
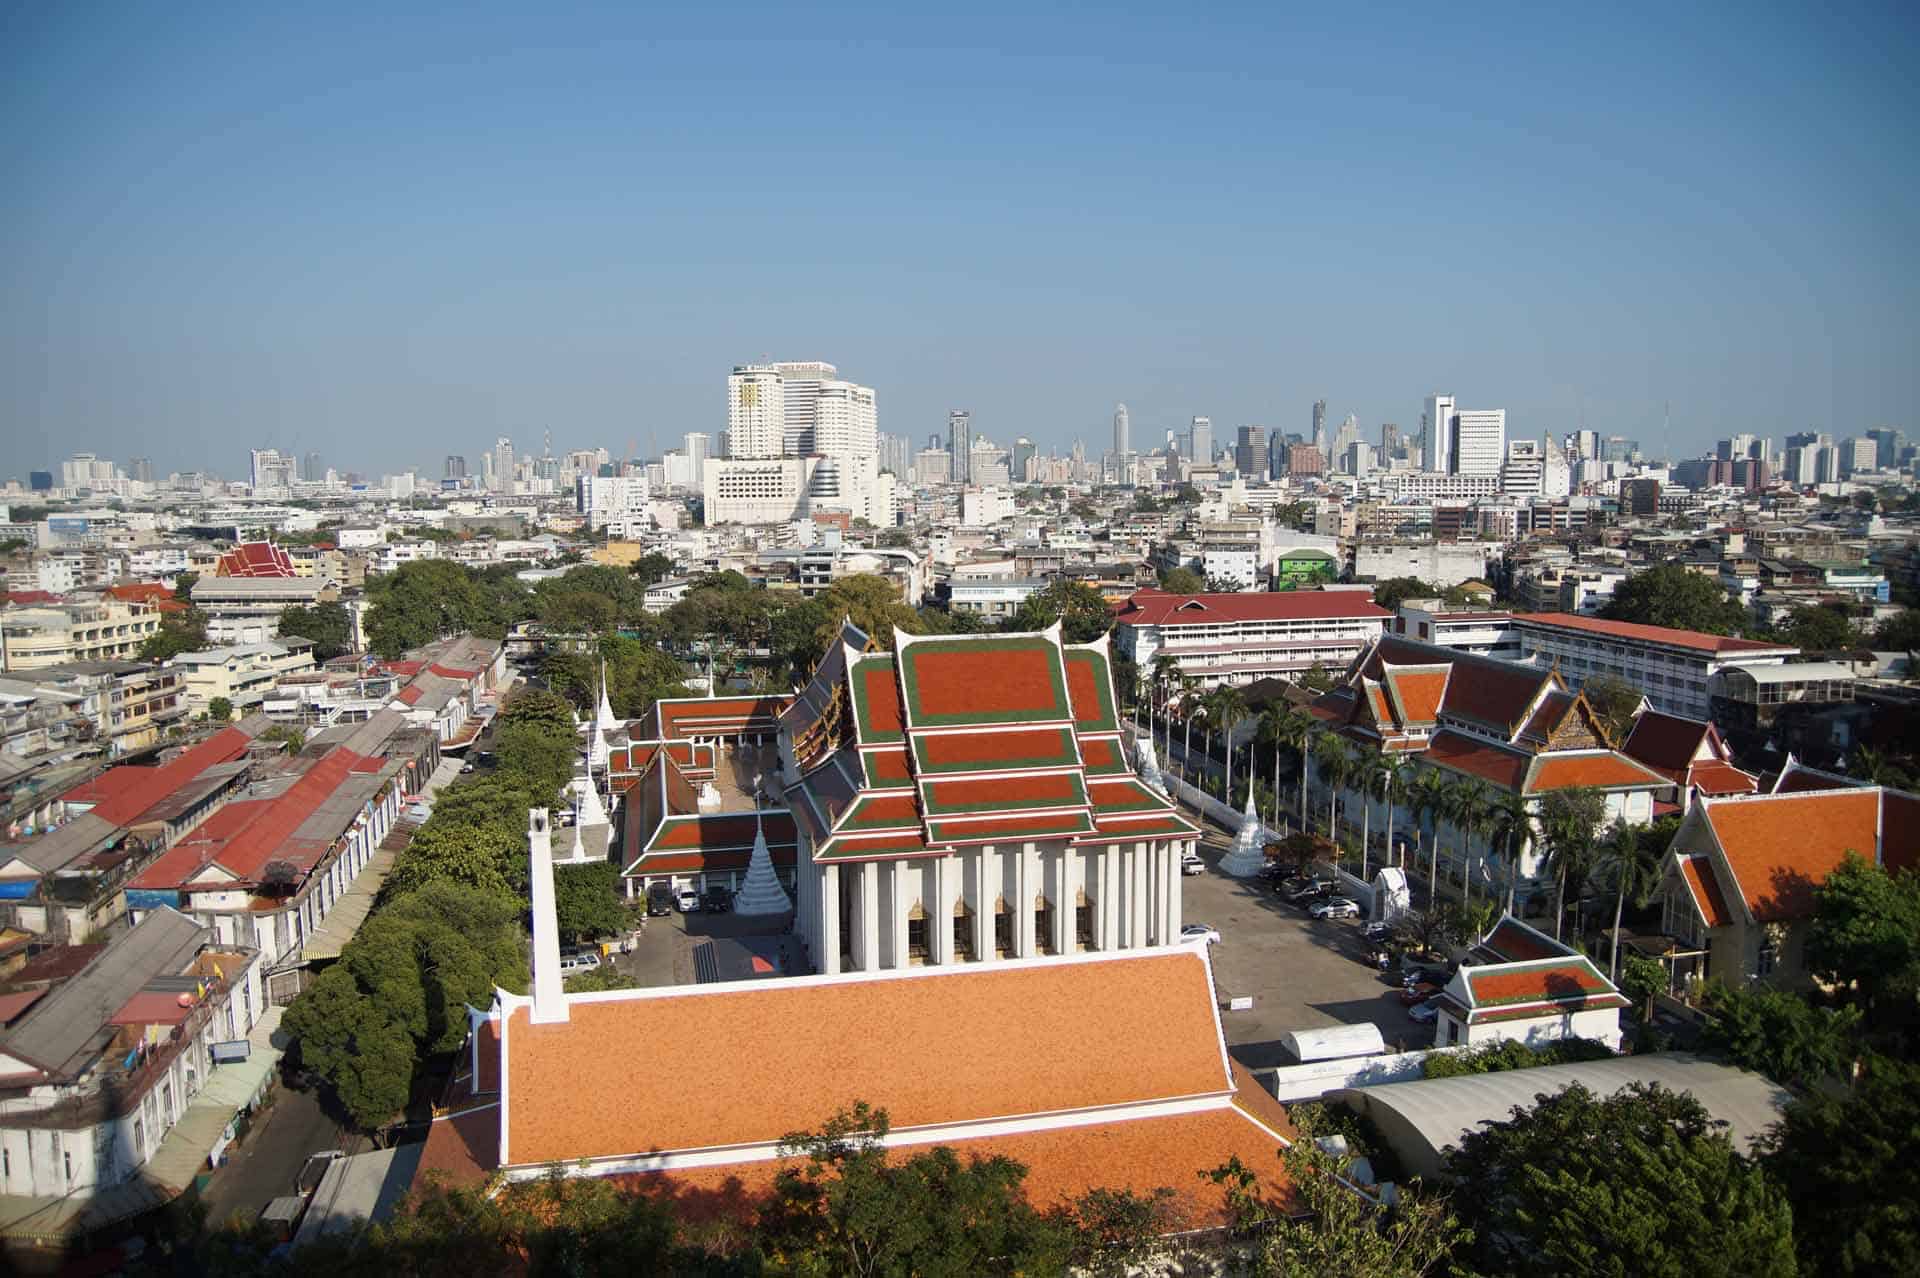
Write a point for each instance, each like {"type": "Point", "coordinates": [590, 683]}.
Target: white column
{"type": "Point", "coordinates": [1107, 931]}
{"type": "Point", "coordinates": [1023, 887]}
{"type": "Point", "coordinates": [1137, 897]}
{"type": "Point", "coordinates": [1176, 888]}
{"type": "Point", "coordinates": [869, 920]}
{"type": "Point", "coordinates": [940, 911]}
{"type": "Point", "coordinates": [1059, 880]}
{"type": "Point", "coordinates": [830, 920]}
{"type": "Point", "coordinates": [898, 908]}
{"type": "Point", "coordinates": [986, 886]}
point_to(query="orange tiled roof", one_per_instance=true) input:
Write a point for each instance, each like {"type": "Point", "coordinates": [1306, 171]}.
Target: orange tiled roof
{"type": "Point", "coordinates": [1460, 753]}
{"type": "Point", "coordinates": [1419, 693]}
{"type": "Point", "coordinates": [1606, 769]}
{"type": "Point", "coordinates": [1013, 1039]}
{"type": "Point", "coordinates": [1693, 639]}
{"type": "Point", "coordinates": [1705, 888]}
{"type": "Point", "coordinates": [1781, 847]}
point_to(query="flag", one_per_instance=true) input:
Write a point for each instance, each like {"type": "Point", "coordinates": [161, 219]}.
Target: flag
{"type": "Point", "coordinates": [216, 970]}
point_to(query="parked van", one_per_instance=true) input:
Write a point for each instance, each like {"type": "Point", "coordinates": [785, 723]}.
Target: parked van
{"type": "Point", "coordinates": [659, 900]}
{"type": "Point", "coordinates": [574, 964]}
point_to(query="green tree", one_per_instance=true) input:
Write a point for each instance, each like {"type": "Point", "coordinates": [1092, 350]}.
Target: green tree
{"type": "Point", "coordinates": [651, 568]}
{"type": "Point", "coordinates": [1847, 1165]}
{"type": "Point", "coordinates": [420, 602]}
{"type": "Point", "coordinates": [355, 1044]}
{"type": "Point", "coordinates": [1643, 980]}
{"type": "Point", "coordinates": [1569, 821]}
{"type": "Point", "coordinates": [1505, 1054]}
{"type": "Point", "coordinates": [326, 624]}
{"type": "Point", "coordinates": [1394, 591]}
{"type": "Point", "coordinates": [1181, 581]}
{"type": "Point", "coordinates": [1865, 935]}
{"type": "Point", "coordinates": [1818, 629]}
{"type": "Point", "coordinates": [1635, 863]}
{"type": "Point", "coordinates": [587, 902]}
{"type": "Point", "coordinates": [219, 710]}
{"type": "Point", "coordinates": [541, 756]}
{"type": "Point", "coordinates": [1333, 1230]}
{"type": "Point", "coordinates": [1899, 633]}
{"type": "Point", "coordinates": [1779, 1034]}
{"type": "Point", "coordinates": [847, 1208]}
{"type": "Point", "coordinates": [480, 856]}
{"type": "Point", "coordinates": [1614, 702]}
{"type": "Point", "coordinates": [1317, 679]}
{"type": "Point", "coordinates": [1639, 1182]}
{"type": "Point", "coordinates": [1676, 596]}
{"type": "Point", "coordinates": [286, 734]}
{"type": "Point", "coordinates": [873, 603]}
{"type": "Point", "coordinates": [1080, 609]}
{"type": "Point", "coordinates": [537, 707]}
{"type": "Point", "coordinates": [179, 632]}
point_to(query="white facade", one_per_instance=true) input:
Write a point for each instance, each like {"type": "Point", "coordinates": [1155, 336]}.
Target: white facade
{"type": "Point", "coordinates": [1436, 432]}
{"type": "Point", "coordinates": [603, 499]}
{"type": "Point", "coordinates": [980, 507]}
{"type": "Point", "coordinates": [1439, 563]}
{"type": "Point", "coordinates": [1673, 671]}
{"type": "Point", "coordinates": [1479, 440]}
{"type": "Point", "coordinates": [769, 490]}
{"type": "Point", "coordinates": [756, 412]}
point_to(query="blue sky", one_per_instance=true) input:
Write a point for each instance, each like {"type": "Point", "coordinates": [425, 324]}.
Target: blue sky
{"type": "Point", "coordinates": [389, 236]}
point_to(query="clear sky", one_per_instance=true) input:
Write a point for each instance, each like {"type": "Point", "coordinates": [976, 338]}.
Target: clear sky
{"type": "Point", "coordinates": [387, 237]}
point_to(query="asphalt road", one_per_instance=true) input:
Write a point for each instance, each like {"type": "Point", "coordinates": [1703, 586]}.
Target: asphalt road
{"type": "Point", "coordinates": [265, 1167]}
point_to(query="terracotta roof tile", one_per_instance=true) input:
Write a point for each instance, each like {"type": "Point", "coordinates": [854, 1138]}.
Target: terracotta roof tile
{"type": "Point", "coordinates": [1014, 1039]}
{"type": "Point", "coordinates": [1090, 689]}
{"type": "Point", "coordinates": [1666, 743]}
{"type": "Point", "coordinates": [1718, 778]}
{"type": "Point", "coordinates": [1101, 756]}
{"type": "Point", "coordinates": [1016, 679]}
{"type": "Point", "coordinates": [1781, 847]}
{"type": "Point", "coordinates": [1692, 639]}
{"type": "Point", "coordinates": [1039, 825]}
{"type": "Point", "coordinates": [1460, 753]}
{"type": "Point", "coordinates": [1419, 693]}
{"type": "Point", "coordinates": [1157, 608]}
{"type": "Point", "coordinates": [992, 751]}
{"type": "Point", "coordinates": [1606, 769]}
{"type": "Point", "coordinates": [1705, 888]}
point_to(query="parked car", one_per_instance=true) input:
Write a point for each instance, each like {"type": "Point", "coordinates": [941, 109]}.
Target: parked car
{"type": "Point", "coordinates": [1338, 907]}
{"type": "Point", "coordinates": [659, 900]}
{"type": "Point", "coordinates": [308, 1178]}
{"type": "Point", "coordinates": [717, 900]}
{"type": "Point", "coordinates": [1414, 994]}
{"type": "Point", "coordinates": [1190, 864]}
{"type": "Point", "coordinates": [1311, 892]}
{"type": "Point", "coordinates": [1425, 1013]}
{"type": "Point", "coordinates": [1377, 931]}
{"type": "Point", "coordinates": [1199, 932]}
{"type": "Point", "coordinates": [578, 962]}
{"type": "Point", "coordinates": [687, 901]}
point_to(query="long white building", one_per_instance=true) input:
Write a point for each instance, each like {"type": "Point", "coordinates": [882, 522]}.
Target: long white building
{"type": "Point", "coordinates": [1238, 638]}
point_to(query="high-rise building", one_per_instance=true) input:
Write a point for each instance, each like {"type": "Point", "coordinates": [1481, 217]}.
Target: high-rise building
{"type": "Point", "coordinates": [456, 467]}
{"type": "Point", "coordinates": [845, 421]}
{"type": "Point", "coordinates": [312, 469]}
{"type": "Point", "coordinates": [269, 468]}
{"type": "Point", "coordinates": [1888, 445]}
{"type": "Point", "coordinates": [801, 383]}
{"type": "Point", "coordinates": [141, 469]}
{"type": "Point", "coordinates": [1479, 443]}
{"type": "Point", "coordinates": [1436, 434]}
{"type": "Point", "coordinates": [1389, 441]}
{"type": "Point", "coordinates": [1584, 445]}
{"type": "Point", "coordinates": [1524, 474]}
{"type": "Point", "coordinates": [1856, 454]}
{"type": "Point", "coordinates": [1305, 459]}
{"type": "Point", "coordinates": [1250, 453]}
{"type": "Point", "coordinates": [756, 412]}
{"type": "Point", "coordinates": [40, 481]}
{"type": "Point", "coordinates": [503, 465]}
{"type": "Point", "coordinates": [1349, 435]}
{"type": "Point", "coordinates": [1319, 437]}
{"type": "Point", "coordinates": [933, 466]}
{"type": "Point", "coordinates": [1200, 441]}
{"type": "Point", "coordinates": [960, 445]}
{"type": "Point", "coordinates": [1022, 459]}
{"type": "Point", "coordinates": [1121, 442]}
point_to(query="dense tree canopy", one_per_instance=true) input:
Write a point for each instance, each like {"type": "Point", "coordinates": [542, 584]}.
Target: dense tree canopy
{"type": "Point", "coordinates": [179, 632]}
{"type": "Point", "coordinates": [429, 599]}
{"type": "Point", "coordinates": [1181, 581]}
{"type": "Point", "coordinates": [1614, 701]}
{"type": "Point", "coordinates": [1640, 1182]}
{"type": "Point", "coordinates": [587, 901]}
{"type": "Point", "coordinates": [1899, 633]}
{"type": "Point", "coordinates": [1676, 596]}
{"type": "Point", "coordinates": [1779, 1034]}
{"type": "Point", "coordinates": [326, 624]}
{"type": "Point", "coordinates": [1818, 629]}
{"type": "Point", "coordinates": [1080, 609]}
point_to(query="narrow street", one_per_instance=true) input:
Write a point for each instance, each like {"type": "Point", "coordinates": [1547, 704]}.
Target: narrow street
{"type": "Point", "coordinates": [274, 1152]}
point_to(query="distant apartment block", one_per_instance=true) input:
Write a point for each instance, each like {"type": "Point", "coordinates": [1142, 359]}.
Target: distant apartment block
{"type": "Point", "coordinates": [1238, 638]}
{"type": "Point", "coordinates": [1673, 668]}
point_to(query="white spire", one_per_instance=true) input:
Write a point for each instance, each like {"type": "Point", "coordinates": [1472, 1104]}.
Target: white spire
{"type": "Point", "coordinates": [592, 810]}
{"type": "Point", "coordinates": [761, 893]}
{"type": "Point", "coordinates": [1148, 765]}
{"type": "Point", "coordinates": [549, 999]}
{"type": "Point", "coordinates": [603, 720]}
{"type": "Point", "coordinates": [1248, 854]}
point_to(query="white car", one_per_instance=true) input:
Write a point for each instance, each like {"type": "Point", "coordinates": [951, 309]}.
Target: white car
{"type": "Point", "coordinates": [1191, 864]}
{"type": "Point", "coordinates": [687, 901]}
{"type": "Point", "coordinates": [1199, 932]}
{"type": "Point", "coordinates": [1335, 907]}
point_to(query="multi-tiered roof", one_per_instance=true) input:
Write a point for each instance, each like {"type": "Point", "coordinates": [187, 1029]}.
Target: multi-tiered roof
{"type": "Point", "coordinates": [953, 741]}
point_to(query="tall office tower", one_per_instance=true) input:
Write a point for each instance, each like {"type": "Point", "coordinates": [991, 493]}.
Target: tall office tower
{"type": "Point", "coordinates": [1436, 433]}
{"type": "Point", "coordinates": [1121, 444]}
{"type": "Point", "coordinates": [1618, 448]}
{"type": "Point", "coordinates": [312, 470]}
{"type": "Point", "coordinates": [801, 382]}
{"type": "Point", "coordinates": [1826, 461]}
{"type": "Point", "coordinates": [1804, 439]}
{"type": "Point", "coordinates": [1389, 442]}
{"type": "Point", "coordinates": [1250, 453]}
{"type": "Point", "coordinates": [40, 481]}
{"type": "Point", "coordinates": [756, 412]}
{"type": "Point", "coordinates": [141, 469]}
{"type": "Point", "coordinates": [269, 468]}
{"type": "Point", "coordinates": [1524, 474]}
{"type": "Point", "coordinates": [697, 445]}
{"type": "Point", "coordinates": [1200, 441]}
{"type": "Point", "coordinates": [1277, 444]}
{"type": "Point", "coordinates": [932, 466]}
{"type": "Point", "coordinates": [960, 444]}
{"type": "Point", "coordinates": [1479, 443]}
{"type": "Point", "coordinates": [1856, 454]}
{"type": "Point", "coordinates": [503, 466]}
{"type": "Point", "coordinates": [1584, 445]}
{"type": "Point", "coordinates": [1888, 445]}
{"type": "Point", "coordinates": [1022, 460]}
{"type": "Point", "coordinates": [456, 466]}
{"type": "Point", "coordinates": [1556, 476]}
{"type": "Point", "coordinates": [1349, 435]}
{"type": "Point", "coordinates": [1320, 424]}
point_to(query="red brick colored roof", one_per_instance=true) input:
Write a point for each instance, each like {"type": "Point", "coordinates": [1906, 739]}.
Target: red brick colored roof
{"type": "Point", "coordinates": [1705, 889]}
{"type": "Point", "coordinates": [718, 716]}
{"type": "Point", "coordinates": [1721, 778]}
{"type": "Point", "coordinates": [1690, 639]}
{"type": "Point", "coordinates": [120, 795]}
{"type": "Point", "coordinates": [141, 592]}
{"type": "Point", "coordinates": [1515, 942]}
{"type": "Point", "coordinates": [1567, 984]}
{"type": "Point", "coordinates": [990, 751]}
{"type": "Point", "coordinates": [984, 681]}
{"type": "Point", "coordinates": [1015, 1039]}
{"type": "Point", "coordinates": [31, 597]}
{"type": "Point", "coordinates": [1151, 607]}
{"type": "Point", "coordinates": [1460, 753]}
{"type": "Point", "coordinates": [1102, 755]}
{"type": "Point", "coordinates": [1666, 743]}
{"type": "Point", "coordinates": [1605, 769]}
{"type": "Point", "coordinates": [1780, 848]}
{"type": "Point", "coordinates": [1419, 693]}
{"type": "Point", "coordinates": [254, 559]}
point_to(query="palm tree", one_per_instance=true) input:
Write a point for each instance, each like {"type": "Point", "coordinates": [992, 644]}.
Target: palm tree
{"type": "Point", "coordinates": [1188, 685]}
{"type": "Point", "coordinates": [1336, 765]}
{"type": "Point", "coordinates": [1272, 729]}
{"type": "Point", "coordinates": [1511, 824]}
{"type": "Point", "coordinates": [1369, 772]}
{"type": "Point", "coordinates": [1569, 820]}
{"type": "Point", "coordinates": [1166, 671]}
{"type": "Point", "coordinates": [1428, 796]}
{"type": "Point", "coordinates": [1470, 800]}
{"type": "Point", "coordinates": [1395, 772]}
{"type": "Point", "coordinates": [1634, 864]}
{"type": "Point", "coordinates": [1227, 707]}
{"type": "Point", "coordinates": [1297, 736]}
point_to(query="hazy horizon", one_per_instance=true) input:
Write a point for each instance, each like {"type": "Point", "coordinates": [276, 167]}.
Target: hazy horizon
{"type": "Point", "coordinates": [388, 237]}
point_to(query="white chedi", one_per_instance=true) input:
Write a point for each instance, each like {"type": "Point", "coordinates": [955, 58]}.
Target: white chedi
{"type": "Point", "coordinates": [762, 892]}
{"type": "Point", "coordinates": [1248, 856]}
{"type": "Point", "coordinates": [1148, 766]}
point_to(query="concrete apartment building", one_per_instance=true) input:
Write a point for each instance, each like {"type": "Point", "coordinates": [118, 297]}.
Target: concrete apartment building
{"type": "Point", "coordinates": [242, 673]}
{"type": "Point", "coordinates": [1238, 638]}
{"type": "Point", "coordinates": [1673, 668]}
{"type": "Point", "coordinates": [56, 633]}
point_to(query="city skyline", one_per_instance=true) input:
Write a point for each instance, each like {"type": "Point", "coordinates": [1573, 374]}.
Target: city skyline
{"type": "Point", "coordinates": [318, 232]}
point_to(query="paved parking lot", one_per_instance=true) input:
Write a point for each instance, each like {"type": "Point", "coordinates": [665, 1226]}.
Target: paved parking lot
{"type": "Point", "coordinates": [1301, 973]}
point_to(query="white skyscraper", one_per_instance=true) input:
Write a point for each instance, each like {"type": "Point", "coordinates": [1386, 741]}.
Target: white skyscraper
{"type": "Point", "coordinates": [845, 422]}
{"type": "Point", "coordinates": [800, 383]}
{"type": "Point", "coordinates": [503, 465]}
{"type": "Point", "coordinates": [1479, 441]}
{"type": "Point", "coordinates": [1200, 441]}
{"type": "Point", "coordinates": [1120, 432]}
{"type": "Point", "coordinates": [1436, 432]}
{"type": "Point", "coordinates": [756, 411]}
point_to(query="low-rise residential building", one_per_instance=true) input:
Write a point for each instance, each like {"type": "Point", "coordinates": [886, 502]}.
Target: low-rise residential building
{"type": "Point", "coordinates": [241, 673]}
{"type": "Point", "coordinates": [1674, 669]}
{"type": "Point", "coordinates": [1238, 638]}
{"type": "Point", "coordinates": [1737, 886]}
{"type": "Point", "coordinates": [1439, 563]}
{"type": "Point", "coordinates": [242, 610]}
{"type": "Point", "coordinates": [130, 704]}
{"type": "Point", "coordinates": [51, 634]}
{"type": "Point", "coordinates": [104, 1047]}
{"type": "Point", "coordinates": [451, 686]}
{"type": "Point", "coordinates": [995, 599]}
{"type": "Point", "coordinates": [1476, 631]}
